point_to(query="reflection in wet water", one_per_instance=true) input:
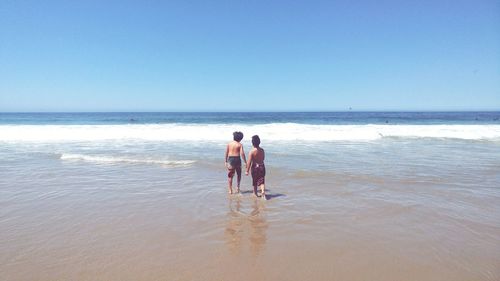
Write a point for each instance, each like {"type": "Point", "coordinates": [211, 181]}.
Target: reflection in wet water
{"type": "Point", "coordinates": [246, 221]}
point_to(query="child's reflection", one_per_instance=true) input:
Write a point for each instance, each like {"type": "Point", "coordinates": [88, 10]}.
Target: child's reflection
{"type": "Point", "coordinates": [251, 221]}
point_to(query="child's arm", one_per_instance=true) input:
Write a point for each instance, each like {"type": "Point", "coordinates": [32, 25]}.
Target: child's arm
{"type": "Point", "coordinates": [242, 154]}
{"type": "Point", "coordinates": [248, 164]}
{"type": "Point", "coordinates": [225, 156]}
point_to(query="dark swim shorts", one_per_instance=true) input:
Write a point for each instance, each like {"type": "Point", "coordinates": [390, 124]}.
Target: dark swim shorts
{"type": "Point", "coordinates": [234, 163]}
{"type": "Point", "coordinates": [258, 174]}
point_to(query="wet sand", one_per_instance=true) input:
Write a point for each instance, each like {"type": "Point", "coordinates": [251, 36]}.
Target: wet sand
{"type": "Point", "coordinates": [180, 224]}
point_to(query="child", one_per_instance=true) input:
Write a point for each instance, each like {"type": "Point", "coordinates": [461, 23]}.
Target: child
{"type": "Point", "coordinates": [232, 158]}
{"type": "Point", "coordinates": [256, 162]}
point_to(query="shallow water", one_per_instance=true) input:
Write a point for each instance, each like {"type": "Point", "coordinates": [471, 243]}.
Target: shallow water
{"type": "Point", "coordinates": [136, 208]}
{"type": "Point", "coordinates": [382, 210]}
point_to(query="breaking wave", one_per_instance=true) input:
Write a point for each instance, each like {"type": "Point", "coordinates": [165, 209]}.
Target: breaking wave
{"type": "Point", "coordinates": [223, 132]}
{"type": "Point", "coordinates": [110, 159]}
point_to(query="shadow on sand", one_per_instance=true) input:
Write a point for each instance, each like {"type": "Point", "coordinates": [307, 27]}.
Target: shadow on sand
{"type": "Point", "coordinates": [269, 195]}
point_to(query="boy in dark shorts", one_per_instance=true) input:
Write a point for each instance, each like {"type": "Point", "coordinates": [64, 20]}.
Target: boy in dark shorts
{"type": "Point", "coordinates": [232, 158]}
{"type": "Point", "coordinates": [256, 163]}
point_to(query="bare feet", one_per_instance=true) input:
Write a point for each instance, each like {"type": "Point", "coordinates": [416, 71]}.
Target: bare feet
{"type": "Point", "coordinates": [238, 190]}
{"type": "Point", "coordinates": [263, 195]}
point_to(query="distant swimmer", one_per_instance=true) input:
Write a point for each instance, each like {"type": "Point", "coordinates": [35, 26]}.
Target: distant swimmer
{"type": "Point", "coordinates": [256, 163]}
{"type": "Point", "coordinates": [232, 158]}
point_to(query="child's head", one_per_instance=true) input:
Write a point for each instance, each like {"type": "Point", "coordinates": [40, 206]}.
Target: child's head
{"type": "Point", "coordinates": [256, 141]}
{"type": "Point", "coordinates": [237, 136]}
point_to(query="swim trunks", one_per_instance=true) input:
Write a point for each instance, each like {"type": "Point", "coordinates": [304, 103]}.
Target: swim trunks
{"type": "Point", "coordinates": [233, 163]}
{"type": "Point", "coordinates": [258, 174]}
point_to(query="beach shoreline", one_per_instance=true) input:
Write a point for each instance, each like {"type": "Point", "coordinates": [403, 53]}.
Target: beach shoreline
{"type": "Point", "coordinates": [385, 209]}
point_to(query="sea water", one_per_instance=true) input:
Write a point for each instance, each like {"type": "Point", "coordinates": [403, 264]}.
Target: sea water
{"type": "Point", "coordinates": [352, 195]}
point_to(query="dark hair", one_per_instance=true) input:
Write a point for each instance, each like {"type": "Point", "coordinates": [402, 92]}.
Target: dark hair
{"type": "Point", "coordinates": [256, 141]}
{"type": "Point", "coordinates": [237, 136]}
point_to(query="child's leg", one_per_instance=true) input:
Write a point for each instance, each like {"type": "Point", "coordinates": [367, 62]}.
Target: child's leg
{"type": "Point", "coordinates": [238, 173]}
{"type": "Point", "coordinates": [263, 191]}
{"type": "Point", "coordinates": [230, 175]}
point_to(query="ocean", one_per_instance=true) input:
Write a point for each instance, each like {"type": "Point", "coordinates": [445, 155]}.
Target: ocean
{"type": "Point", "coordinates": [352, 196]}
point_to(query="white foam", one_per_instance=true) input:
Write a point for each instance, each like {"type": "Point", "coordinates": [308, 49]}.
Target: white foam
{"type": "Point", "coordinates": [110, 159]}
{"type": "Point", "coordinates": [223, 132]}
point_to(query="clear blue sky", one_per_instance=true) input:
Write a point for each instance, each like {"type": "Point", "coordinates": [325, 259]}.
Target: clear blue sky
{"type": "Point", "coordinates": [249, 55]}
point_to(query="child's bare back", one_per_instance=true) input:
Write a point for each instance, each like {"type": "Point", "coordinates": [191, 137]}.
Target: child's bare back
{"type": "Point", "coordinates": [258, 155]}
{"type": "Point", "coordinates": [234, 148]}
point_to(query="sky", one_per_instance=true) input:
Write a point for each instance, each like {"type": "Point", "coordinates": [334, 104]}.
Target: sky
{"type": "Point", "coordinates": [249, 55]}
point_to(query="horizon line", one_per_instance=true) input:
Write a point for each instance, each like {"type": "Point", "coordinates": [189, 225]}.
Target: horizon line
{"type": "Point", "coordinates": [263, 111]}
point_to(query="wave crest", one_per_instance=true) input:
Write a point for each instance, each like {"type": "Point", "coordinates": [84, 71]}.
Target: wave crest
{"type": "Point", "coordinates": [110, 159]}
{"type": "Point", "coordinates": [223, 132]}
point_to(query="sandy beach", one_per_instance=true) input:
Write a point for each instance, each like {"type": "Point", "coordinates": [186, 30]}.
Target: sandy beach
{"type": "Point", "coordinates": [86, 211]}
